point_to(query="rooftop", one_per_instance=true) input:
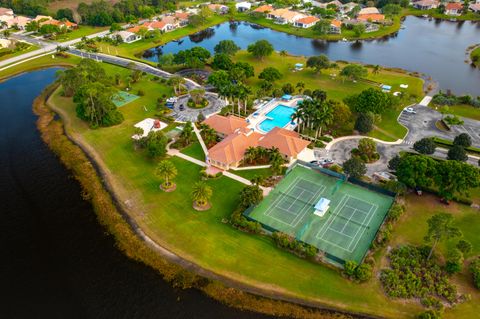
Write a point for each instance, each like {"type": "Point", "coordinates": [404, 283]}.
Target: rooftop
{"type": "Point", "coordinates": [226, 124]}
{"type": "Point", "coordinates": [288, 142]}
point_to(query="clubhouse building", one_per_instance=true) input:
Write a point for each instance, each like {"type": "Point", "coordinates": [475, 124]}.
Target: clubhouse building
{"type": "Point", "coordinates": [237, 137]}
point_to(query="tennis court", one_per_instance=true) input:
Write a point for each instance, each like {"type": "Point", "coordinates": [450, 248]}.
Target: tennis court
{"type": "Point", "coordinates": [122, 98]}
{"type": "Point", "coordinates": [343, 232]}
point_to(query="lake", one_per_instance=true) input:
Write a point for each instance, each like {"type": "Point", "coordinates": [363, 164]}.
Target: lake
{"type": "Point", "coordinates": [57, 261]}
{"type": "Point", "coordinates": [434, 47]}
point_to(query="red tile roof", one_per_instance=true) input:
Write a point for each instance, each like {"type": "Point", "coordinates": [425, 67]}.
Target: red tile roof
{"type": "Point", "coordinates": [263, 9]}
{"type": "Point", "coordinates": [336, 23]}
{"type": "Point", "coordinates": [232, 149]}
{"type": "Point", "coordinates": [308, 20]}
{"type": "Point", "coordinates": [371, 17]}
{"type": "Point", "coordinates": [225, 124]}
{"type": "Point", "coordinates": [288, 142]}
{"type": "Point", "coordinates": [453, 6]}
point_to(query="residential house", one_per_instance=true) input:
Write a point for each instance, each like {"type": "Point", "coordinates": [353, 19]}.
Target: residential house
{"type": "Point", "coordinates": [284, 16]}
{"type": "Point", "coordinates": [374, 17]}
{"type": "Point", "coordinates": [243, 6]}
{"type": "Point", "coordinates": [218, 8]}
{"type": "Point", "coordinates": [453, 8]}
{"type": "Point", "coordinates": [5, 43]}
{"type": "Point", "coordinates": [61, 24]}
{"type": "Point", "coordinates": [264, 9]}
{"type": "Point", "coordinates": [230, 151]}
{"type": "Point", "coordinates": [42, 18]}
{"type": "Point", "coordinates": [19, 22]}
{"type": "Point", "coordinates": [5, 15]}
{"type": "Point", "coordinates": [182, 18]}
{"type": "Point", "coordinates": [426, 4]}
{"type": "Point", "coordinates": [475, 7]}
{"type": "Point", "coordinates": [324, 5]}
{"type": "Point", "coordinates": [226, 125]}
{"type": "Point", "coordinates": [126, 36]}
{"type": "Point", "coordinates": [306, 22]}
{"type": "Point", "coordinates": [288, 142]}
{"type": "Point", "coordinates": [368, 10]}
{"type": "Point", "coordinates": [335, 26]}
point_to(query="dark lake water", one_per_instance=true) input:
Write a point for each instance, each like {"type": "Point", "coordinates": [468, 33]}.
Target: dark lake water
{"type": "Point", "coordinates": [436, 48]}
{"type": "Point", "coordinates": [56, 260]}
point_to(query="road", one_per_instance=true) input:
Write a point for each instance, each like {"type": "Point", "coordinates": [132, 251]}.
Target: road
{"type": "Point", "coordinates": [45, 46]}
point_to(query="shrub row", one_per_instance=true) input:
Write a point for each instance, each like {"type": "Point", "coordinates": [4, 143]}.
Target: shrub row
{"type": "Point", "coordinates": [291, 244]}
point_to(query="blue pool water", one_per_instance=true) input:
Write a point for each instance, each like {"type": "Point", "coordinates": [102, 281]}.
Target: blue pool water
{"type": "Point", "coordinates": [280, 116]}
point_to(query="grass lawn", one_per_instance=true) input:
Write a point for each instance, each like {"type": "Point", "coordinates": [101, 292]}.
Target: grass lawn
{"type": "Point", "coordinates": [202, 236]}
{"type": "Point", "coordinates": [251, 173]}
{"type": "Point", "coordinates": [38, 63]}
{"type": "Point", "coordinates": [194, 150]}
{"type": "Point", "coordinates": [30, 48]}
{"type": "Point", "coordinates": [338, 89]}
{"type": "Point", "coordinates": [465, 111]}
{"type": "Point", "coordinates": [82, 31]}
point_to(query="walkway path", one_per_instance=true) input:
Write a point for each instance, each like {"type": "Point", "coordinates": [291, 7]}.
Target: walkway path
{"type": "Point", "coordinates": [200, 139]}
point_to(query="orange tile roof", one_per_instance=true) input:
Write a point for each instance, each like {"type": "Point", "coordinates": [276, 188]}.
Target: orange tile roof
{"type": "Point", "coordinates": [264, 8]}
{"type": "Point", "coordinates": [288, 142]}
{"type": "Point", "coordinates": [308, 20]}
{"type": "Point", "coordinates": [336, 23]}
{"type": "Point", "coordinates": [155, 24]}
{"type": "Point", "coordinates": [182, 15]}
{"type": "Point", "coordinates": [232, 148]}
{"type": "Point", "coordinates": [453, 6]}
{"type": "Point", "coordinates": [371, 17]}
{"type": "Point", "coordinates": [225, 124]}
{"type": "Point", "coordinates": [134, 29]}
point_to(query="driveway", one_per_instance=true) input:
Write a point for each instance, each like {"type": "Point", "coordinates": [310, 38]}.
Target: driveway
{"type": "Point", "coordinates": [188, 114]}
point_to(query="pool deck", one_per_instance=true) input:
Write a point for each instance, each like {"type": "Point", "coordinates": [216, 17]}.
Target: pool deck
{"type": "Point", "coordinates": [263, 110]}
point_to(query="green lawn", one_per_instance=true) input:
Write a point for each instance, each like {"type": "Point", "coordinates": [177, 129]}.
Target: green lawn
{"type": "Point", "coordinates": [82, 31]}
{"type": "Point", "coordinates": [202, 236]}
{"type": "Point", "coordinates": [38, 63]}
{"type": "Point", "coordinates": [465, 111]}
{"type": "Point", "coordinates": [29, 48]}
{"type": "Point", "coordinates": [251, 173]}
{"type": "Point", "coordinates": [194, 150]}
{"type": "Point", "coordinates": [338, 89]}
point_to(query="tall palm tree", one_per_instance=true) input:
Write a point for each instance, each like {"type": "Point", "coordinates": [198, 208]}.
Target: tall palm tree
{"type": "Point", "coordinates": [201, 193]}
{"type": "Point", "coordinates": [187, 133]}
{"type": "Point", "coordinates": [298, 116]}
{"type": "Point", "coordinates": [300, 86]}
{"type": "Point", "coordinates": [251, 154]}
{"type": "Point", "coordinates": [166, 171]}
{"type": "Point", "coordinates": [283, 53]}
{"type": "Point", "coordinates": [376, 69]}
{"type": "Point", "coordinates": [323, 116]}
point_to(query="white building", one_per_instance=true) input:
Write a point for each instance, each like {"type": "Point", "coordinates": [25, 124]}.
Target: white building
{"type": "Point", "coordinates": [243, 6]}
{"type": "Point", "coordinates": [127, 37]}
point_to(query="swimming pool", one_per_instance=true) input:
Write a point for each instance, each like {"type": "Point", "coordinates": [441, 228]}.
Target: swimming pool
{"type": "Point", "coordinates": [280, 116]}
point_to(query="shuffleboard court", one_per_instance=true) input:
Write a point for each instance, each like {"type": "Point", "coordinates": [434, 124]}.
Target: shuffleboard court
{"type": "Point", "coordinates": [343, 232]}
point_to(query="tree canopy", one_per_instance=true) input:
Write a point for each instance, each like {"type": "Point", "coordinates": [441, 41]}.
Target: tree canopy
{"type": "Point", "coordinates": [318, 62]}
{"type": "Point", "coordinates": [260, 49]}
{"type": "Point", "coordinates": [227, 47]}
{"type": "Point", "coordinates": [354, 167]}
{"type": "Point", "coordinates": [270, 74]}
{"type": "Point", "coordinates": [370, 100]}
{"type": "Point", "coordinates": [425, 146]}
{"type": "Point", "coordinates": [354, 71]}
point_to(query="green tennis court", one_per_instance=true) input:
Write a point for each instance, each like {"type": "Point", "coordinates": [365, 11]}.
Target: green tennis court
{"type": "Point", "coordinates": [344, 231]}
{"type": "Point", "coordinates": [122, 98]}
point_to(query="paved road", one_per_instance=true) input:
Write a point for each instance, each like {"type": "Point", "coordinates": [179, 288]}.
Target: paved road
{"type": "Point", "coordinates": [45, 46]}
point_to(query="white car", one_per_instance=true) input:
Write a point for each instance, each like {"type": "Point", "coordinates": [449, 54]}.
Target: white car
{"type": "Point", "coordinates": [410, 110]}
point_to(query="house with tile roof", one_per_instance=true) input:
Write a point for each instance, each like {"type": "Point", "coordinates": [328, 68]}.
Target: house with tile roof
{"type": "Point", "coordinates": [335, 26]}
{"type": "Point", "coordinates": [307, 22]}
{"type": "Point", "coordinates": [284, 16]}
{"type": "Point", "coordinates": [475, 7]}
{"type": "Point", "coordinates": [264, 9]}
{"type": "Point", "coordinates": [368, 10]}
{"type": "Point", "coordinates": [374, 17]}
{"type": "Point", "coordinates": [454, 8]}
{"type": "Point", "coordinates": [426, 4]}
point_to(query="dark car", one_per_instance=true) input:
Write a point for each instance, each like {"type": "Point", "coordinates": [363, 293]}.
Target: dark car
{"type": "Point", "coordinates": [181, 107]}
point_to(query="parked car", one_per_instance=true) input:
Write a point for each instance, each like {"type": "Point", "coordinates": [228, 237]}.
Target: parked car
{"type": "Point", "coordinates": [181, 107]}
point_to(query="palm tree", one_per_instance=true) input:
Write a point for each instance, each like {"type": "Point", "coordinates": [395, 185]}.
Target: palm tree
{"type": "Point", "coordinates": [176, 82]}
{"type": "Point", "coordinates": [276, 160]}
{"type": "Point", "coordinates": [376, 69]}
{"type": "Point", "coordinates": [187, 133]}
{"type": "Point", "coordinates": [257, 180]}
{"type": "Point", "coordinates": [300, 86]}
{"type": "Point", "coordinates": [251, 154]}
{"type": "Point", "coordinates": [323, 116]}
{"type": "Point", "coordinates": [298, 116]}
{"type": "Point", "coordinates": [201, 193]}
{"type": "Point", "coordinates": [209, 136]}
{"type": "Point", "coordinates": [283, 53]}
{"type": "Point", "coordinates": [166, 171]}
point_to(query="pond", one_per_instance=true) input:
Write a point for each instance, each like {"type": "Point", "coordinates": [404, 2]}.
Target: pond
{"type": "Point", "coordinates": [434, 47]}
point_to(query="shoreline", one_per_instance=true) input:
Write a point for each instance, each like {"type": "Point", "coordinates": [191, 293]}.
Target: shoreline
{"type": "Point", "coordinates": [219, 287]}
